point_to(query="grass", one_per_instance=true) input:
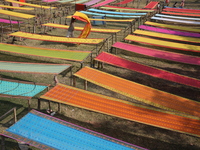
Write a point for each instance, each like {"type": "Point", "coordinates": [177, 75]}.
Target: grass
{"type": "Point", "coordinates": [136, 133]}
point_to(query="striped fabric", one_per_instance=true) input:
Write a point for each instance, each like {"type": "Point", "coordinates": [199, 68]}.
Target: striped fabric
{"type": "Point", "coordinates": [139, 92]}
{"type": "Point", "coordinates": [92, 2]}
{"type": "Point", "coordinates": [121, 108]}
{"type": "Point", "coordinates": [174, 27]}
{"type": "Point", "coordinates": [125, 8]}
{"type": "Point", "coordinates": [81, 28]}
{"type": "Point", "coordinates": [163, 43]}
{"type": "Point", "coordinates": [176, 20]}
{"type": "Point", "coordinates": [167, 36]}
{"type": "Point", "coordinates": [177, 17]}
{"type": "Point", "coordinates": [151, 5]}
{"type": "Point", "coordinates": [46, 132]}
{"type": "Point", "coordinates": [16, 14]}
{"type": "Point", "coordinates": [155, 72]}
{"type": "Point", "coordinates": [180, 14]}
{"type": "Point", "coordinates": [31, 5]}
{"type": "Point", "coordinates": [124, 2]}
{"type": "Point", "coordinates": [56, 38]}
{"type": "Point", "coordinates": [6, 66]}
{"type": "Point", "coordinates": [70, 55]}
{"type": "Point", "coordinates": [109, 15]}
{"type": "Point", "coordinates": [109, 20]}
{"type": "Point", "coordinates": [167, 31]}
{"type": "Point", "coordinates": [9, 21]}
{"type": "Point", "coordinates": [103, 3]}
{"type": "Point", "coordinates": [20, 8]}
{"type": "Point", "coordinates": [116, 13]}
{"type": "Point", "coordinates": [16, 88]}
{"type": "Point", "coordinates": [188, 59]}
{"type": "Point", "coordinates": [182, 10]}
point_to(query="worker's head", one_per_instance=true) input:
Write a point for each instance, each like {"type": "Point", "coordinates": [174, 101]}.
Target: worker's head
{"type": "Point", "coordinates": [73, 19]}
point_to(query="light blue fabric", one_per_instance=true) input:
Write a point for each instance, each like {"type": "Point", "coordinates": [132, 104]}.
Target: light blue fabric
{"type": "Point", "coordinates": [59, 136]}
{"type": "Point", "coordinates": [107, 15]}
{"type": "Point", "coordinates": [116, 13]}
{"type": "Point", "coordinates": [177, 17]}
{"type": "Point", "coordinates": [176, 20]}
{"type": "Point", "coordinates": [20, 89]}
{"type": "Point", "coordinates": [94, 22]}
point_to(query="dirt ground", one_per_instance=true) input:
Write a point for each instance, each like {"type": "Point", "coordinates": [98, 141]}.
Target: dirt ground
{"type": "Point", "coordinates": [146, 136]}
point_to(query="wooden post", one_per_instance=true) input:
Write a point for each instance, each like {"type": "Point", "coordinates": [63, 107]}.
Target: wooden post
{"type": "Point", "coordinates": [108, 44]}
{"type": "Point", "coordinates": [1, 33]}
{"type": "Point", "coordinates": [134, 25]}
{"type": "Point", "coordinates": [115, 37]}
{"type": "Point", "coordinates": [102, 65]}
{"type": "Point", "coordinates": [91, 60]}
{"type": "Point", "coordinates": [39, 103]}
{"type": "Point", "coordinates": [15, 115]}
{"type": "Point", "coordinates": [11, 24]}
{"type": "Point", "coordinates": [29, 104]}
{"type": "Point", "coordinates": [138, 22]}
{"type": "Point", "coordinates": [112, 40]}
{"type": "Point", "coordinates": [85, 85]}
{"type": "Point", "coordinates": [2, 142]}
{"type": "Point", "coordinates": [59, 107]}
{"type": "Point", "coordinates": [74, 81]}
{"type": "Point", "coordinates": [98, 64]}
{"type": "Point", "coordinates": [19, 25]}
{"type": "Point", "coordinates": [71, 82]}
{"type": "Point", "coordinates": [49, 105]}
{"type": "Point", "coordinates": [96, 50]}
{"type": "Point", "coordinates": [131, 27]}
{"type": "Point", "coordinates": [93, 63]}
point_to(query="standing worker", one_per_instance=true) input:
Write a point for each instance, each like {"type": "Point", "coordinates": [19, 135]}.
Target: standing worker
{"type": "Point", "coordinates": [174, 6]}
{"type": "Point", "coordinates": [182, 4]}
{"type": "Point", "coordinates": [166, 2]}
{"type": "Point", "coordinates": [70, 32]}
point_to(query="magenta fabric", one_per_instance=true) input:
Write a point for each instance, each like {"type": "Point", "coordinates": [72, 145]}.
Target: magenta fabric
{"type": "Point", "coordinates": [151, 5]}
{"type": "Point", "coordinates": [92, 2]}
{"type": "Point", "coordinates": [158, 53]}
{"type": "Point", "coordinates": [120, 62]}
{"type": "Point", "coordinates": [48, 1]}
{"type": "Point", "coordinates": [103, 3]}
{"type": "Point", "coordinates": [182, 10]}
{"type": "Point", "coordinates": [123, 2]}
{"type": "Point", "coordinates": [8, 21]}
{"type": "Point", "coordinates": [174, 32]}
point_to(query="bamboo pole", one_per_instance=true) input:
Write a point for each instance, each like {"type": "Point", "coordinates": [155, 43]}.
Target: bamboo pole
{"type": "Point", "coordinates": [39, 103]}
{"type": "Point", "coordinates": [74, 81]}
{"type": "Point", "coordinates": [11, 24]}
{"type": "Point", "coordinates": [15, 114]}
{"type": "Point", "coordinates": [29, 104]}
{"type": "Point", "coordinates": [49, 103]}
{"type": "Point", "coordinates": [85, 84]}
{"type": "Point", "coordinates": [1, 33]}
{"type": "Point", "coordinates": [59, 107]}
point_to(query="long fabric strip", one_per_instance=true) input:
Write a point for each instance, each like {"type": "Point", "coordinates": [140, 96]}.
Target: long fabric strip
{"type": "Point", "coordinates": [122, 109]}
{"type": "Point", "coordinates": [139, 92]}
{"type": "Point", "coordinates": [158, 73]}
{"type": "Point", "coordinates": [46, 132]}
